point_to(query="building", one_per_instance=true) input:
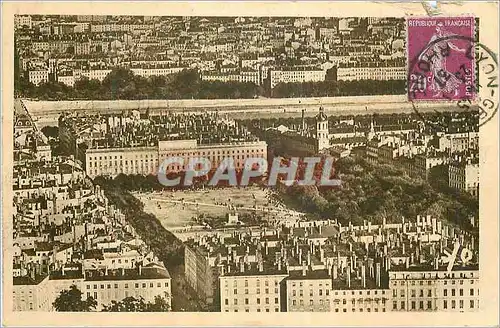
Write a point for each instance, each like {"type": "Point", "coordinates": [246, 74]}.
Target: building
{"type": "Point", "coordinates": [465, 176]}
{"type": "Point", "coordinates": [295, 74]}
{"type": "Point", "coordinates": [22, 21]}
{"type": "Point", "coordinates": [308, 291]}
{"type": "Point", "coordinates": [146, 160]}
{"type": "Point", "coordinates": [434, 289]}
{"type": "Point", "coordinates": [252, 289]}
{"type": "Point", "coordinates": [350, 72]}
{"type": "Point", "coordinates": [37, 76]}
{"type": "Point", "coordinates": [31, 293]}
{"type": "Point", "coordinates": [242, 76]}
{"type": "Point", "coordinates": [322, 134]}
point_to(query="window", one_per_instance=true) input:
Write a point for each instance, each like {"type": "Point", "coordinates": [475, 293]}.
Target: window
{"type": "Point", "coordinates": [445, 304]}
{"type": "Point", "coordinates": [267, 300]}
{"type": "Point", "coordinates": [453, 292]}
{"type": "Point", "coordinates": [421, 305]}
{"type": "Point", "coordinates": [246, 290]}
{"type": "Point", "coordinates": [235, 292]}
{"type": "Point", "coordinates": [276, 300]}
{"type": "Point", "coordinates": [246, 283]}
{"type": "Point", "coordinates": [294, 293]}
{"type": "Point", "coordinates": [402, 305]}
{"type": "Point", "coordinates": [311, 292]}
{"type": "Point", "coordinates": [471, 304]}
{"type": "Point", "coordinates": [429, 293]}
{"type": "Point", "coordinates": [116, 285]}
{"type": "Point", "coordinates": [246, 301]}
{"type": "Point", "coordinates": [235, 301]}
{"type": "Point", "coordinates": [445, 292]}
{"type": "Point", "coordinates": [258, 300]}
{"type": "Point", "coordinates": [88, 287]}
{"type": "Point", "coordinates": [320, 292]}
{"type": "Point", "coordinates": [311, 302]}
{"type": "Point", "coordinates": [394, 305]}
{"type": "Point", "coordinates": [471, 292]}
{"type": "Point", "coordinates": [461, 292]}
{"type": "Point", "coordinates": [453, 304]}
{"type": "Point", "coordinates": [413, 305]}
{"type": "Point", "coordinates": [461, 304]}
{"type": "Point", "coordinates": [226, 301]}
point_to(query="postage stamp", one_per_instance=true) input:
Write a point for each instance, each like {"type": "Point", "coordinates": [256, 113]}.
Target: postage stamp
{"type": "Point", "coordinates": [441, 58]}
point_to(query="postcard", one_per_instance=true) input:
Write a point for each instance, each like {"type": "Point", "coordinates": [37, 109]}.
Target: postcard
{"type": "Point", "coordinates": [250, 163]}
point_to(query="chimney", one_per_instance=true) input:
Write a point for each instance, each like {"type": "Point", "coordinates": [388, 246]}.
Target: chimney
{"type": "Point", "coordinates": [229, 268]}
{"type": "Point", "coordinates": [222, 270]}
{"type": "Point", "coordinates": [404, 248]}
{"type": "Point", "coordinates": [261, 266]}
{"type": "Point", "coordinates": [369, 225]}
{"type": "Point", "coordinates": [407, 261]}
{"type": "Point", "coordinates": [242, 266]}
{"type": "Point", "coordinates": [348, 276]}
{"type": "Point", "coordinates": [309, 258]}
{"type": "Point", "coordinates": [436, 263]}
{"type": "Point", "coordinates": [335, 271]}
{"type": "Point", "coordinates": [279, 265]}
{"type": "Point", "coordinates": [363, 275]}
{"type": "Point", "coordinates": [321, 254]}
{"type": "Point", "coordinates": [304, 268]}
{"type": "Point", "coordinates": [377, 274]}
{"type": "Point", "coordinates": [140, 269]}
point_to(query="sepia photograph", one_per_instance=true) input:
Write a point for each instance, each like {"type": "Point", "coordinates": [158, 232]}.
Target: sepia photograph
{"type": "Point", "coordinates": [249, 163]}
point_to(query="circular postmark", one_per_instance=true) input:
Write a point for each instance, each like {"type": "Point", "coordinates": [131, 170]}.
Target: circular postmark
{"type": "Point", "coordinates": [481, 99]}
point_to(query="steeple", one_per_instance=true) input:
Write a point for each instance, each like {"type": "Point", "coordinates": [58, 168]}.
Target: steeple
{"type": "Point", "coordinates": [322, 134]}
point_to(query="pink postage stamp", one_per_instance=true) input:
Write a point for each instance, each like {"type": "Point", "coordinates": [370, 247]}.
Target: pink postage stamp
{"type": "Point", "coordinates": [441, 58]}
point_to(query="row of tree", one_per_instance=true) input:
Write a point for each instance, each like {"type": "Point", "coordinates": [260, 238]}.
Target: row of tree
{"type": "Point", "coordinates": [70, 300]}
{"type": "Point", "coordinates": [162, 242]}
{"type": "Point", "coordinates": [122, 83]}
{"type": "Point", "coordinates": [330, 88]}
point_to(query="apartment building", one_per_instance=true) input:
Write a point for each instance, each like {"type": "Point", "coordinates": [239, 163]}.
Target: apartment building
{"type": "Point", "coordinates": [354, 73]}
{"type": "Point", "coordinates": [38, 75]}
{"type": "Point", "coordinates": [465, 176]}
{"type": "Point", "coordinates": [252, 289]}
{"type": "Point", "coordinates": [420, 288]}
{"type": "Point", "coordinates": [295, 74]}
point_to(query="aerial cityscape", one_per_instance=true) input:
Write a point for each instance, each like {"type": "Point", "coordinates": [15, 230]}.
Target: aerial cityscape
{"type": "Point", "coordinates": [102, 101]}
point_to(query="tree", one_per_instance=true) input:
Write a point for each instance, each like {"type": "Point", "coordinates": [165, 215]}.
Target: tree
{"type": "Point", "coordinates": [50, 131]}
{"type": "Point", "coordinates": [132, 304]}
{"type": "Point", "coordinates": [71, 301]}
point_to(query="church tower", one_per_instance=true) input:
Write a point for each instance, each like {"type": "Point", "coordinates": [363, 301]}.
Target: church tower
{"type": "Point", "coordinates": [322, 134]}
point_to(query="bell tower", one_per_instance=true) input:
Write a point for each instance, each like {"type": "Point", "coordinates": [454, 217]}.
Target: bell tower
{"type": "Point", "coordinates": [322, 134]}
